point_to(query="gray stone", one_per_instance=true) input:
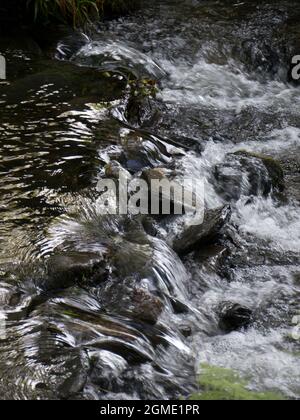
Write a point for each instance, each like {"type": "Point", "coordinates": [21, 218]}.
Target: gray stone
{"type": "Point", "coordinates": [197, 235]}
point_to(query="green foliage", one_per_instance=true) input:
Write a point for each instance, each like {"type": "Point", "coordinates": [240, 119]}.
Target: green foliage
{"type": "Point", "coordinates": [78, 12]}
{"type": "Point", "coordinates": [143, 88]}
{"type": "Point", "coordinates": [219, 384]}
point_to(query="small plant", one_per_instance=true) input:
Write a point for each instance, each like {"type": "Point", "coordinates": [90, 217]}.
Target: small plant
{"type": "Point", "coordinates": [143, 88]}
{"type": "Point", "coordinates": [77, 12]}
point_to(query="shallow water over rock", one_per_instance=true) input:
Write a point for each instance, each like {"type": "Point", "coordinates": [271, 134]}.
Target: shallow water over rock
{"type": "Point", "coordinates": [99, 307]}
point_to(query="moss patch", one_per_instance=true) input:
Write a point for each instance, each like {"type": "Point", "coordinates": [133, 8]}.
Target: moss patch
{"type": "Point", "coordinates": [219, 384]}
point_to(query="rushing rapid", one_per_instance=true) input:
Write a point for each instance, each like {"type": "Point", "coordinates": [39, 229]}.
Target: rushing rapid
{"type": "Point", "coordinates": [102, 307]}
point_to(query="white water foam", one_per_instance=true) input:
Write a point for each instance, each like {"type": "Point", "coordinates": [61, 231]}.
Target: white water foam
{"type": "Point", "coordinates": [223, 87]}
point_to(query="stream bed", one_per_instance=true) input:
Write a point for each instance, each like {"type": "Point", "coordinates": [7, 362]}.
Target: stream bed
{"type": "Point", "coordinates": [102, 307]}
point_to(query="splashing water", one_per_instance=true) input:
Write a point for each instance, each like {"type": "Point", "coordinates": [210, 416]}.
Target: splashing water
{"type": "Point", "coordinates": [140, 320]}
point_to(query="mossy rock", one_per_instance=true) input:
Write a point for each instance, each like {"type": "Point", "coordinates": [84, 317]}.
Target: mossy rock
{"type": "Point", "coordinates": [250, 174]}
{"type": "Point", "coordinates": [273, 167]}
{"type": "Point", "coordinates": [219, 384]}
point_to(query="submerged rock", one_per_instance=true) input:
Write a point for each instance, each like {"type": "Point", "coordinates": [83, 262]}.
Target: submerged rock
{"type": "Point", "coordinates": [197, 235]}
{"type": "Point", "coordinates": [133, 300]}
{"type": "Point", "coordinates": [64, 270]}
{"type": "Point", "coordinates": [234, 316]}
{"type": "Point", "coordinates": [118, 57]}
{"type": "Point", "coordinates": [107, 368]}
{"type": "Point", "coordinates": [141, 151]}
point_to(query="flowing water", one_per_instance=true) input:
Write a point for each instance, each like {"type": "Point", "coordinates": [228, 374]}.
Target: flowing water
{"type": "Point", "coordinates": [95, 307]}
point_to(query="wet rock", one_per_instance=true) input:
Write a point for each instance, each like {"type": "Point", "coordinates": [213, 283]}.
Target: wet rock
{"type": "Point", "coordinates": [149, 226]}
{"type": "Point", "coordinates": [54, 370]}
{"type": "Point", "coordinates": [143, 151]}
{"type": "Point", "coordinates": [185, 330]}
{"type": "Point", "coordinates": [213, 257]}
{"type": "Point", "coordinates": [260, 56]}
{"type": "Point", "coordinates": [168, 204]}
{"type": "Point", "coordinates": [145, 306]}
{"type": "Point", "coordinates": [179, 306]}
{"type": "Point", "coordinates": [107, 369]}
{"type": "Point", "coordinates": [133, 300]}
{"type": "Point", "coordinates": [290, 162]}
{"type": "Point", "coordinates": [273, 167]}
{"type": "Point", "coordinates": [64, 270]}
{"type": "Point", "coordinates": [198, 235]}
{"type": "Point", "coordinates": [114, 170]}
{"type": "Point", "coordinates": [154, 174]}
{"type": "Point", "coordinates": [188, 143]}
{"type": "Point", "coordinates": [234, 316]}
{"type": "Point", "coordinates": [72, 374]}
{"type": "Point", "coordinates": [251, 123]}
{"type": "Point", "coordinates": [245, 174]}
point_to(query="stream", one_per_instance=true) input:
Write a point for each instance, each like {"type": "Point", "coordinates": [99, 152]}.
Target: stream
{"type": "Point", "coordinates": [101, 307]}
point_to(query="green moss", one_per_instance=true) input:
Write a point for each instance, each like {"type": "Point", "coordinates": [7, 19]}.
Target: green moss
{"type": "Point", "coordinates": [219, 384]}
